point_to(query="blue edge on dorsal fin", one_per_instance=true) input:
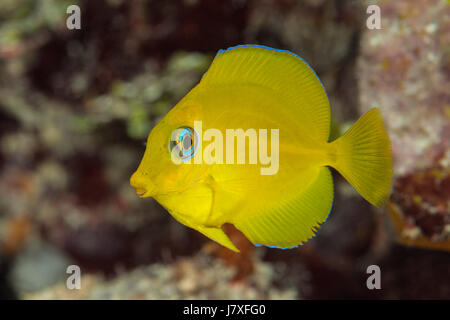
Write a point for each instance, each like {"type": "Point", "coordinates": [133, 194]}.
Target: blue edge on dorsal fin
{"type": "Point", "coordinates": [287, 51]}
{"type": "Point", "coordinates": [273, 49]}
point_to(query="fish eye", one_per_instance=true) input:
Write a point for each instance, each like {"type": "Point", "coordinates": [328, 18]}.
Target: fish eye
{"type": "Point", "coordinates": [187, 142]}
{"type": "Point", "coordinates": [183, 143]}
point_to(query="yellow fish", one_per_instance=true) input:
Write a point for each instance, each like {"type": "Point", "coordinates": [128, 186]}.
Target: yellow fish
{"type": "Point", "coordinates": [201, 161]}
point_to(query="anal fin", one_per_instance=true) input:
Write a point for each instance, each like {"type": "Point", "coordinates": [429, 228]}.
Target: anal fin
{"type": "Point", "coordinates": [289, 222]}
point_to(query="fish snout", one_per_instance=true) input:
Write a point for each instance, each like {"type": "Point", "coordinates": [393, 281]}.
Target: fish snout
{"type": "Point", "coordinates": [143, 186]}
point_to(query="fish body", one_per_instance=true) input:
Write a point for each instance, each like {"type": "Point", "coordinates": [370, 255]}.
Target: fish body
{"type": "Point", "coordinates": [279, 103]}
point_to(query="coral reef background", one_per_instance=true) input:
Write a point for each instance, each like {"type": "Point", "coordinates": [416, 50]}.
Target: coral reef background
{"type": "Point", "coordinates": [76, 107]}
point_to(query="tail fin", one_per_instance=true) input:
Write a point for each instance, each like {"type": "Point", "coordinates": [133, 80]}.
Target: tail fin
{"type": "Point", "coordinates": [364, 158]}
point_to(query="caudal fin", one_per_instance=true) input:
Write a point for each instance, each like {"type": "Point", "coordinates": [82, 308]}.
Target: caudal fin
{"type": "Point", "coordinates": [364, 158]}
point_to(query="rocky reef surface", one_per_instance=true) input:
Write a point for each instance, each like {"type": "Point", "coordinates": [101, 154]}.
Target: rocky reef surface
{"type": "Point", "coordinates": [405, 71]}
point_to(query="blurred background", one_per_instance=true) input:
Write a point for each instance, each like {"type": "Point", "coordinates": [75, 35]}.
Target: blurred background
{"type": "Point", "coordinates": [76, 107]}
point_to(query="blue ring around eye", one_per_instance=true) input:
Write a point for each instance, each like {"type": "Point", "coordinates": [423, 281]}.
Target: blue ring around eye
{"type": "Point", "coordinates": [195, 140]}
{"type": "Point", "coordinates": [183, 133]}
{"type": "Point", "coordinates": [181, 139]}
{"type": "Point", "coordinates": [188, 153]}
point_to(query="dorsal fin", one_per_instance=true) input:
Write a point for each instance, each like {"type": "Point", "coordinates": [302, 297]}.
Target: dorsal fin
{"type": "Point", "coordinates": [280, 70]}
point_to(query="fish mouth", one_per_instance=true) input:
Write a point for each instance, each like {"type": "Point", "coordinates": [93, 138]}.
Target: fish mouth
{"type": "Point", "coordinates": [140, 192]}
{"type": "Point", "coordinates": [142, 185]}
{"type": "Point", "coordinates": [145, 188]}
